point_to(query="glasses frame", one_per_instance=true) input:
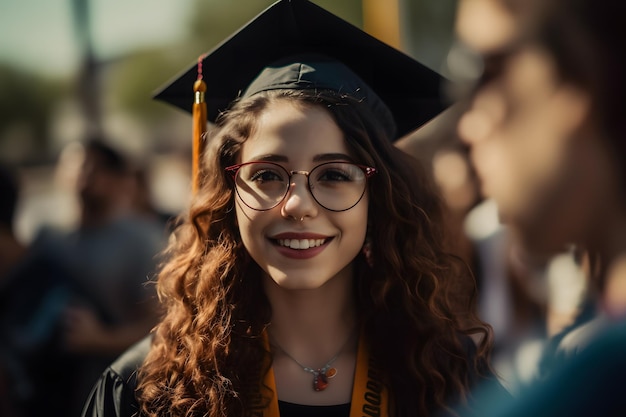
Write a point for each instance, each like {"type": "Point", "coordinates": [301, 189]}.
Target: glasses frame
{"type": "Point", "coordinates": [234, 169]}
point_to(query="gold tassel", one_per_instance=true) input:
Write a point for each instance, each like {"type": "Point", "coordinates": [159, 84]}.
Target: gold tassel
{"type": "Point", "coordinates": [199, 127]}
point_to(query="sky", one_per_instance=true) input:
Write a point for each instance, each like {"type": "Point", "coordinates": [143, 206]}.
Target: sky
{"type": "Point", "coordinates": [40, 35]}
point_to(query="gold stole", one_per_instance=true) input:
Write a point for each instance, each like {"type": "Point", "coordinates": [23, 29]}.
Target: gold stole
{"type": "Point", "coordinates": [369, 394]}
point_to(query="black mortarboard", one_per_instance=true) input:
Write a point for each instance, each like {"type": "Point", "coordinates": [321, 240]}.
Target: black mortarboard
{"type": "Point", "coordinates": [413, 92]}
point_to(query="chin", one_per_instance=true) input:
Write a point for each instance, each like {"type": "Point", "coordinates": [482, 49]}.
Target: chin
{"type": "Point", "coordinates": [298, 285]}
{"type": "Point", "coordinates": [293, 281]}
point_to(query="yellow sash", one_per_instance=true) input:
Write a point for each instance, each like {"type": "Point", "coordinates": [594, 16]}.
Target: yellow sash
{"type": "Point", "coordinates": [369, 394]}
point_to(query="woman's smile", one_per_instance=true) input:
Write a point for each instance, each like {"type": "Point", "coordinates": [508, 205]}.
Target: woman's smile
{"type": "Point", "coordinates": [300, 245]}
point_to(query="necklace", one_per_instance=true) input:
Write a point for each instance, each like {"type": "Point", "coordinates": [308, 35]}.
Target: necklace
{"type": "Point", "coordinates": [320, 375]}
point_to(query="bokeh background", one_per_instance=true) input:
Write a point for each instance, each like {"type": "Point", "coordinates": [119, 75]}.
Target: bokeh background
{"type": "Point", "coordinates": [75, 69]}
{"type": "Point", "coordinates": [71, 69]}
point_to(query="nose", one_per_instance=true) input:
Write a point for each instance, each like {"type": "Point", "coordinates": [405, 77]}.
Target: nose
{"type": "Point", "coordinates": [299, 203]}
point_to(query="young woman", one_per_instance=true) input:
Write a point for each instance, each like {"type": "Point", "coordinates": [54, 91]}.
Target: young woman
{"type": "Point", "coordinates": [308, 276]}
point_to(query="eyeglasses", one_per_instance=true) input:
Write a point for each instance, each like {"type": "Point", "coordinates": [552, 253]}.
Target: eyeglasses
{"type": "Point", "coordinates": [336, 186]}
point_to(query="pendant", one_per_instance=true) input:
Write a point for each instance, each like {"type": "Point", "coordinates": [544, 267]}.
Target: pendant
{"type": "Point", "coordinates": [321, 377]}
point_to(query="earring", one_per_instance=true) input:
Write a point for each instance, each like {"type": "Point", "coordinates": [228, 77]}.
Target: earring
{"type": "Point", "coordinates": [367, 252]}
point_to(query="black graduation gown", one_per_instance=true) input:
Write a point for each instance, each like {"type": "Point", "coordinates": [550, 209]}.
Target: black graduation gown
{"type": "Point", "coordinates": [114, 393]}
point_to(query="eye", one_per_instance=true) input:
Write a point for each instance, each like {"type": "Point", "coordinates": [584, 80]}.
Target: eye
{"type": "Point", "coordinates": [333, 174]}
{"type": "Point", "coordinates": [338, 173]}
{"type": "Point", "coordinates": [265, 175]}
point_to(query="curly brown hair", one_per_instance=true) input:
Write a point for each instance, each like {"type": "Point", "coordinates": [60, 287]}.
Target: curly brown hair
{"type": "Point", "coordinates": [208, 355]}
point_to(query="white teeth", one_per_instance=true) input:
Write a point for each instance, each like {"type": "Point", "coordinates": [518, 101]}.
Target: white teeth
{"type": "Point", "coordinates": [301, 243]}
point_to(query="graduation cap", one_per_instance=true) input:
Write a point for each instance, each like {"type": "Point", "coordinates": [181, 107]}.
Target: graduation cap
{"type": "Point", "coordinates": [297, 44]}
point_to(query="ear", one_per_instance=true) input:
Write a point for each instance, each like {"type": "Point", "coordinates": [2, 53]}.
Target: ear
{"type": "Point", "coordinates": [367, 252]}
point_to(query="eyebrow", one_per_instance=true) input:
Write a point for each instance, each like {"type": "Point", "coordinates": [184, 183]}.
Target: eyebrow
{"type": "Point", "coordinates": [317, 158]}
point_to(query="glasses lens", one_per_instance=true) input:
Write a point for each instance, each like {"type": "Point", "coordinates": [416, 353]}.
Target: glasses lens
{"type": "Point", "coordinates": [337, 186]}
{"type": "Point", "coordinates": [261, 185]}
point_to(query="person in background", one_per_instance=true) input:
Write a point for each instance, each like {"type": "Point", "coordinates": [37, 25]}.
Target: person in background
{"type": "Point", "coordinates": [11, 249]}
{"type": "Point", "coordinates": [308, 276]}
{"type": "Point", "coordinates": [546, 130]}
{"type": "Point", "coordinates": [111, 257]}
{"type": "Point", "coordinates": [11, 252]}
{"type": "Point", "coordinates": [80, 298]}
{"type": "Point", "coordinates": [33, 292]}
{"type": "Point", "coordinates": [143, 200]}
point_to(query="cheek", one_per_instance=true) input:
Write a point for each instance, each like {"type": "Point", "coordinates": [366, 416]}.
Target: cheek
{"type": "Point", "coordinates": [355, 224]}
{"type": "Point", "coordinates": [361, 226]}
{"type": "Point", "coordinates": [540, 154]}
{"type": "Point", "coordinates": [248, 222]}
{"type": "Point", "coordinates": [520, 173]}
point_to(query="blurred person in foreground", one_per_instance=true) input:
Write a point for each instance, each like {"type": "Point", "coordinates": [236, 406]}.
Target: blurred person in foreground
{"type": "Point", "coordinates": [100, 303]}
{"type": "Point", "coordinates": [511, 296]}
{"type": "Point", "coordinates": [546, 129]}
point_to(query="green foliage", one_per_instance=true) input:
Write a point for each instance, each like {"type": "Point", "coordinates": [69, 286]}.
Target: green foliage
{"type": "Point", "coordinates": [26, 99]}
{"type": "Point", "coordinates": [429, 29]}
{"type": "Point", "coordinates": [134, 79]}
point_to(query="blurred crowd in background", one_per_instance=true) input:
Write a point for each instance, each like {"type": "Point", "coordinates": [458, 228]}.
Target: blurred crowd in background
{"type": "Point", "coordinates": [94, 173]}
